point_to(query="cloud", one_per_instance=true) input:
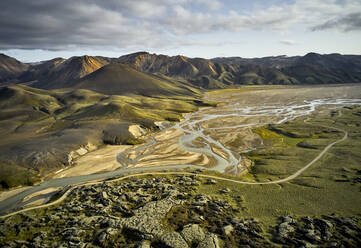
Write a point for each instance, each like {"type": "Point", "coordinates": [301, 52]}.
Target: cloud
{"type": "Point", "coordinates": [147, 24]}
{"type": "Point", "coordinates": [288, 42]}
{"type": "Point", "coordinates": [57, 25]}
{"type": "Point", "coordinates": [350, 22]}
{"type": "Point", "coordinates": [210, 4]}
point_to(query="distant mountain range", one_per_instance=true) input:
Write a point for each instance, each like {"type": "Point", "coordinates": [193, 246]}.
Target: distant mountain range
{"type": "Point", "coordinates": [82, 72]}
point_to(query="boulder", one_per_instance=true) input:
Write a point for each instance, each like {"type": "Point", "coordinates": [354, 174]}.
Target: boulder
{"type": "Point", "coordinates": [225, 191]}
{"type": "Point", "coordinates": [288, 219]}
{"type": "Point", "coordinates": [104, 236]}
{"type": "Point", "coordinates": [192, 233]}
{"type": "Point", "coordinates": [200, 200]}
{"type": "Point", "coordinates": [144, 244]}
{"type": "Point", "coordinates": [326, 228]}
{"type": "Point", "coordinates": [104, 195]}
{"type": "Point", "coordinates": [147, 220]}
{"type": "Point", "coordinates": [228, 229]}
{"type": "Point", "coordinates": [211, 181]}
{"type": "Point", "coordinates": [210, 241]}
{"type": "Point", "coordinates": [174, 240]}
{"type": "Point", "coordinates": [313, 236]}
{"type": "Point", "coordinates": [284, 229]}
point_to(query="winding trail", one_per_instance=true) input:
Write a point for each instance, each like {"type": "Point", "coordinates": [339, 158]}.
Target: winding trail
{"type": "Point", "coordinates": [293, 176]}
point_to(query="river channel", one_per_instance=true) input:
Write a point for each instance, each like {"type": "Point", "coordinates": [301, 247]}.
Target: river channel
{"type": "Point", "coordinates": [198, 126]}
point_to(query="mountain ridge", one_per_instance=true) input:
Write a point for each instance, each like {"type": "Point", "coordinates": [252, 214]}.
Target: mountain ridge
{"type": "Point", "coordinates": [215, 73]}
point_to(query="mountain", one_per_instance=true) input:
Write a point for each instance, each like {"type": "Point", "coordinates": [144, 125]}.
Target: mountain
{"type": "Point", "coordinates": [10, 68]}
{"type": "Point", "coordinates": [175, 66]}
{"type": "Point", "coordinates": [181, 71]}
{"type": "Point", "coordinates": [61, 73]}
{"type": "Point", "coordinates": [206, 73]}
{"type": "Point", "coordinates": [315, 68]}
{"type": "Point", "coordinates": [312, 68]}
{"type": "Point", "coordinates": [272, 61]}
{"type": "Point", "coordinates": [120, 79]}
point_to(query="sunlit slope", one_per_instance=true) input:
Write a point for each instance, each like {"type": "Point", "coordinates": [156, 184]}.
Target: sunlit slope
{"type": "Point", "coordinates": [120, 79]}
{"type": "Point", "coordinates": [10, 68]}
{"type": "Point", "coordinates": [62, 73]}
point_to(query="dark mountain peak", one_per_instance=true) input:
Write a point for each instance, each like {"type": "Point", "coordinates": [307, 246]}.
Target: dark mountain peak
{"type": "Point", "coordinates": [310, 54]}
{"type": "Point", "coordinates": [181, 58]}
{"type": "Point", "coordinates": [57, 60]}
{"type": "Point", "coordinates": [10, 68]}
{"type": "Point", "coordinates": [5, 58]}
{"type": "Point", "coordinates": [2, 55]}
{"type": "Point", "coordinates": [309, 57]}
{"type": "Point", "coordinates": [335, 54]}
{"type": "Point", "coordinates": [136, 54]}
{"type": "Point", "coordinates": [78, 59]}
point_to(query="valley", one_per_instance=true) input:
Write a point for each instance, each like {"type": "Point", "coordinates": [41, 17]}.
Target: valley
{"type": "Point", "coordinates": [180, 124]}
{"type": "Point", "coordinates": [181, 206]}
{"type": "Point", "coordinates": [137, 138]}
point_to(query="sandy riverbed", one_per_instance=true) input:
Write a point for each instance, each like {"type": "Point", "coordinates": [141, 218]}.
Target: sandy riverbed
{"type": "Point", "coordinates": [233, 130]}
{"type": "Point", "coordinates": [6, 194]}
{"type": "Point", "coordinates": [103, 159]}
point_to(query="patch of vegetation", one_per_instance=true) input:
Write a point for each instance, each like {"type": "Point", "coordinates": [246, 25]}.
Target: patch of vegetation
{"type": "Point", "coordinates": [134, 141]}
{"type": "Point", "coordinates": [16, 176]}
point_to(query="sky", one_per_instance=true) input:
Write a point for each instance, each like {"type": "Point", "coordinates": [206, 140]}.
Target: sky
{"type": "Point", "coordinates": [36, 30]}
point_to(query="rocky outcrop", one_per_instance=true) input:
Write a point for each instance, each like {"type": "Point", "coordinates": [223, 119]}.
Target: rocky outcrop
{"type": "Point", "coordinates": [193, 233]}
{"type": "Point", "coordinates": [147, 220]}
{"type": "Point", "coordinates": [210, 241]}
{"type": "Point", "coordinates": [164, 212]}
{"type": "Point", "coordinates": [174, 240]}
{"type": "Point", "coordinates": [286, 227]}
{"type": "Point", "coordinates": [137, 131]}
{"type": "Point", "coordinates": [314, 232]}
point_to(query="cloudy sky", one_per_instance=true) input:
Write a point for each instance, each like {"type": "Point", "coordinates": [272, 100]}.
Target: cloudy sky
{"type": "Point", "coordinates": [34, 30]}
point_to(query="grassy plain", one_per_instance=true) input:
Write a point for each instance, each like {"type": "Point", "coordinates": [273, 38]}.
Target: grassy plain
{"type": "Point", "coordinates": [331, 186]}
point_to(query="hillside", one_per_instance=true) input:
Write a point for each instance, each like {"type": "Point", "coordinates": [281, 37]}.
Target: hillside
{"type": "Point", "coordinates": [10, 68]}
{"type": "Point", "coordinates": [272, 61]}
{"type": "Point", "coordinates": [61, 73]}
{"type": "Point", "coordinates": [315, 68]}
{"type": "Point", "coordinates": [122, 79]}
{"type": "Point", "coordinates": [43, 130]}
{"type": "Point", "coordinates": [175, 66]}
{"type": "Point", "coordinates": [223, 72]}
{"type": "Point", "coordinates": [208, 74]}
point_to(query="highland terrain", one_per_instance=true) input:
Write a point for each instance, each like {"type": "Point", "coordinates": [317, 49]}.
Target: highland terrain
{"type": "Point", "coordinates": [149, 150]}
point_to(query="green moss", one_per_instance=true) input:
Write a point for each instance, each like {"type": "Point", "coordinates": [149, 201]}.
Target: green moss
{"type": "Point", "coordinates": [134, 141]}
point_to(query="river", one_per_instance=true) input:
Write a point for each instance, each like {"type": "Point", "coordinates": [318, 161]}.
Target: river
{"type": "Point", "coordinates": [196, 126]}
